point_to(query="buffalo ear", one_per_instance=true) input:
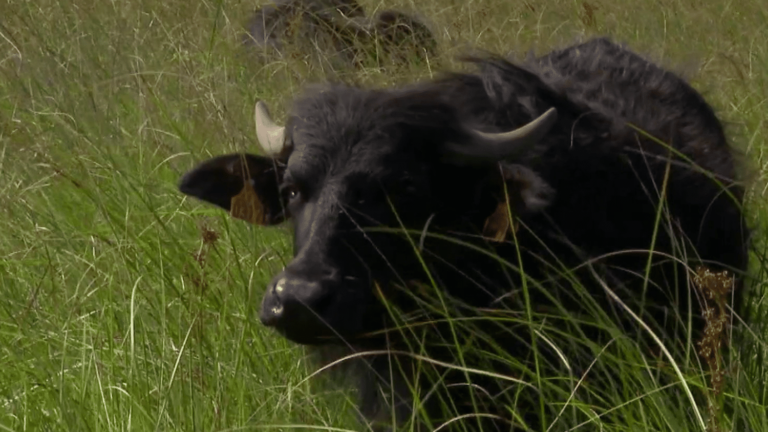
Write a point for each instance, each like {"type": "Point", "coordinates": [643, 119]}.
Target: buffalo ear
{"type": "Point", "coordinates": [520, 190]}
{"type": "Point", "coordinates": [243, 184]}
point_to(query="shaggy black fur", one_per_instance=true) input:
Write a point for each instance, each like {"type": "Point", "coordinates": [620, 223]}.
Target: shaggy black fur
{"type": "Point", "coordinates": [589, 188]}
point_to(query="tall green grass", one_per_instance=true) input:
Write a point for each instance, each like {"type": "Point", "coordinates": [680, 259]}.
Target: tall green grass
{"type": "Point", "coordinates": [125, 306]}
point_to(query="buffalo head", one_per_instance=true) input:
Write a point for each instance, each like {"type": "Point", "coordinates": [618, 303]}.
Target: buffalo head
{"type": "Point", "coordinates": [349, 160]}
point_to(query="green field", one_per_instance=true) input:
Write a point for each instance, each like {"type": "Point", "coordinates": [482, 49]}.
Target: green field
{"type": "Point", "coordinates": [125, 306]}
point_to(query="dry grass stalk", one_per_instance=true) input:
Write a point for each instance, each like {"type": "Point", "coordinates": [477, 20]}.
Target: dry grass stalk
{"type": "Point", "coordinates": [715, 287]}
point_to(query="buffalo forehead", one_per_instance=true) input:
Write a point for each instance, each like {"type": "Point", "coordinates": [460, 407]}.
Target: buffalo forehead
{"type": "Point", "coordinates": [360, 164]}
{"type": "Point", "coordinates": [342, 155]}
{"type": "Point", "coordinates": [341, 130]}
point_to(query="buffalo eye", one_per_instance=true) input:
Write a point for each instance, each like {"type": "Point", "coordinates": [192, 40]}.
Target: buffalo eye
{"type": "Point", "coordinates": [290, 192]}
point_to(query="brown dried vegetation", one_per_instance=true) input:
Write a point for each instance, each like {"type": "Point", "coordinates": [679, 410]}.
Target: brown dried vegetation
{"type": "Point", "coordinates": [588, 15]}
{"type": "Point", "coordinates": [715, 287]}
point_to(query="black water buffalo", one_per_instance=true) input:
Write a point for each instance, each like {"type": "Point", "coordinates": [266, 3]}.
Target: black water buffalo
{"type": "Point", "coordinates": [401, 37]}
{"type": "Point", "coordinates": [302, 19]}
{"type": "Point", "coordinates": [550, 165]}
{"type": "Point", "coordinates": [337, 29]}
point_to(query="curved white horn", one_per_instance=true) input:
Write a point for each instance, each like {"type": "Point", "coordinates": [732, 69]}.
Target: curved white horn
{"type": "Point", "coordinates": [271, 136]}
{"type": "Point", "coordinates": [503, 145]}
{"type": "Point", "coordinates": [532, 131]}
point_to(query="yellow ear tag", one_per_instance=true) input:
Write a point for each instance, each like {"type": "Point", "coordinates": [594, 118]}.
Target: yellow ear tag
{"type": "Point", "coordinates": [247, 206]}
{"type": "Point", "coordinates": [497, 225]}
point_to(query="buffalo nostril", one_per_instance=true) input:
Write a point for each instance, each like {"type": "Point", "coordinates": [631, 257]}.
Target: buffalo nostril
{"type": "Point", "coordinates": [273, 308]}
{"type": "Point", "coordinates": [280, 286]}
{"type": "Point", "coordinates": [271, 317]}
{"type": "Point", "coordinates": [299, 300]}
